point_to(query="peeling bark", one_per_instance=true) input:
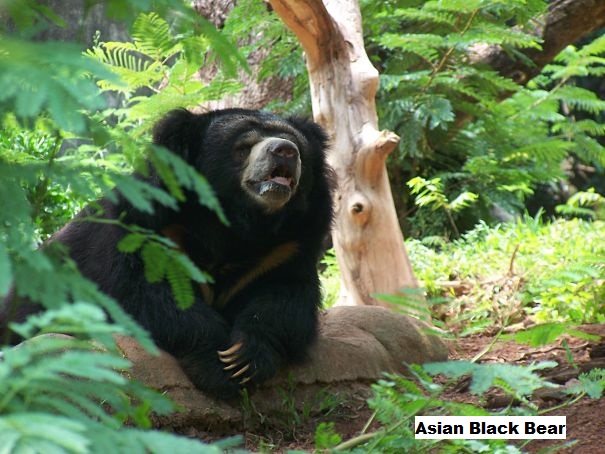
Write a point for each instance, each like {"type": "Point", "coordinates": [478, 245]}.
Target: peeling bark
{"type": "Point", "coordinates": [367, 238]}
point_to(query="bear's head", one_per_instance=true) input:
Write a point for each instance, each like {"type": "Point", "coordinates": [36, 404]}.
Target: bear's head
{"type": "Point", "coordinates": [251, 158]}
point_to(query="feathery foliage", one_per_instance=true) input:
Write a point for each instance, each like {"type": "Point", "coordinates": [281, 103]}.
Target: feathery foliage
{"type": "Point", "coordinates": [61, 147]}
{"type": "Point", "coordinates": [397, 400]}
{"type": "Point", "coordinates": [163, 61]}
{"type": "Point", "coordinates": [508, 273]}
{"type": "Point", "coordinates": [447, 106]}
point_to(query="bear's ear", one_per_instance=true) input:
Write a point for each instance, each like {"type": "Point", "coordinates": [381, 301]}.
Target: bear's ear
{"type": "Point", "coordinates": [181, 132]}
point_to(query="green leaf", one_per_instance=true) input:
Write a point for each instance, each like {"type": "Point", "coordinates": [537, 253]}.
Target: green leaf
{"type": "Point", "coordinates": [39, 432]}
{"type": "Point", "coordinates": [190, 268]}
{"type": "Point", "coordinates": [155, 260]}
{"type": "Point", "coordinates": [521, 380]}
{"type": "Point", "coordinates": [6, 271]}
{"type": "Point", "coordinates": [131, 242]}
{"type": "Point", "coordinates": [583, 335]}
{"type": "Point", "coordinates": [228, 53]}
{"type": "Point", "coordinates": [191, 179]}
{"type": "Point", "coordinates": [158, 442]}
{"type": "Point", "coordinates": [593, 382]}
{"type": "Point", "coordinates": [51, 76]}
{"type": "Point", "coordinates": [152, 36]}
{"type": "Point", "coordinates": [168, 177]}
{"type": "Point", "coordinates": [326, 436]}
{"type": "Point", "coordinates": [180, 284]}
{"type": "Point", "coordinates": [540, 335]}
{"type": "Point", "coordinates": [141, 194]}
{"type": "Point", "coordinates": [463, 200]}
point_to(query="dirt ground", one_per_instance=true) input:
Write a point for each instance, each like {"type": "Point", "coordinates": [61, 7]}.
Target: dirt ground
{"type": "Point", "coordinates": [585, 418]}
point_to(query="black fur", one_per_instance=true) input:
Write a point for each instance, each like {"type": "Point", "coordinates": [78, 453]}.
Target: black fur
{"type": "Point", "coordinates": [273, 313]}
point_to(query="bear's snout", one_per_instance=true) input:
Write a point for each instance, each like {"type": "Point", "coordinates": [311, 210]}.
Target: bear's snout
{"type": "Point", "coordinates": [282, 148]}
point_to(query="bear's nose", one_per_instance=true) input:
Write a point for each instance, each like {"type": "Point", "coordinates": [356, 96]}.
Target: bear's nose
{"type": "Point", "coordinates": [283, 148]}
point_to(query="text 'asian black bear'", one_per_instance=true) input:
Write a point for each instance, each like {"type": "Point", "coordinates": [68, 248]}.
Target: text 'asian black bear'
{"type": "Point", "coordinates": [271, 178]}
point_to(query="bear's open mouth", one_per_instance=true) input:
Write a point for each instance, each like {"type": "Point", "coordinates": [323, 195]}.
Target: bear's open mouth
{"type": "Point", "coordinates": [275, 184]}
{"type": "Point", "coordinates": [281, 175]}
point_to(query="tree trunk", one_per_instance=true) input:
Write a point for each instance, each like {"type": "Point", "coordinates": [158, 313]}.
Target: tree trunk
{"type": "Point", "coordinates": [367, 238]}
{"type": "Point", "coordinates": [565, 23]}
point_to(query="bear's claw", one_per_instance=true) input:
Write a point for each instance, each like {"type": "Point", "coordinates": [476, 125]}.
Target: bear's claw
{"type": "Point", "coordinates": [231, 366]}
{"type": "Point", "coordinates": [243, 381]}
{"type": "Point", "coordinates": [241, 371]}
{"type": "Point", "coordinates": [230, 357]}
{"type": "Point", "coordinates": [231, 350]}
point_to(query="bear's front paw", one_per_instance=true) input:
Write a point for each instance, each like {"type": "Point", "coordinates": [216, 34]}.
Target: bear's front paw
{"type": "Point", "coordinates": [207, 374]}
{"type": "Point", "coordinates": [233, 363]}
{"type": "Point", "coordinates": [249, 362]}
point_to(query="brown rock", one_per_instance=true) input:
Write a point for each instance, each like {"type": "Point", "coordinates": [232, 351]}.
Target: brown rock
{"type": "Point", "coordinates": [163, 373]}
{"type": "Point", "coordinates": [361, 342]}
{"type": "Point", "coordinates": [356, 345]}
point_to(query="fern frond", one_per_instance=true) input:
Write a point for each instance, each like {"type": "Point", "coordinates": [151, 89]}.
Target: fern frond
{"type": "Point", "coordinates": [190, 268]}
{"type": "Point", "coordinates": [153, 37]}
{"type": "Point", "coordinates": [423, 45]}
{"type": "Point", "coordinates": [484, 85]}
{"type": "Point", "coordinates": [586, 198]}
{"type": "Point", "coordinates": [587, 126]}
{"type": "Point", "coordinates": [131, 242]}
{"type": "Point", "coordinates": [553, 150]}
{"type": "Point", "coordinates": [192, 93]}
{"type": "Point", "coordinates": [42, 432]}
{"type": "Point", "coordinates": [191, 179]}
{"type": "Point", "coordinates": [487, 33]}
{"type": "Point", "coordinates": [572, 63]}
{"type": "Point", "coordinates": [194, 49]}
{"type": "Point", "coordinates": [155, 261]}
{"type": "Point", "coordinates": [463, 200]}
{"type": "Point", "coordinates": [433, 111]}
{"type": "Point", "coordinates": [580, 98]}
{"type": "Point", "coordinates": [51, 76]}
{"type": "Point", "coordinates": [142, 194]}
{"type": "Point", "coordinates": [180, 284]}
{"type": "Point", "coordinates": [536, 104]}
{"type": "Point", "coordinates": [453, 84]}
{"type": "Point", "coordinates": [134, 68]}
{"type": "Point", "coordinates": [115, 47]}
{"type": "Point", "coordinates": [595, 47]}
{"type": "Point", "coordinates": [168, 177]}
{"type": "Point", "coordinates": [458, 6]}
{"type": "Point", "coordinates": [423, 16]}
{"type": "Point", "coordinates": [389, 82]}
{"type": "Point", "coordinates": [6, 271]}
{"type": "Point", "coordinates": [589, 150]}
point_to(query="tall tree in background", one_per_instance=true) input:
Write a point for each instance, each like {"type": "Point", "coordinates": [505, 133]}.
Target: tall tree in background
{"type": "Point", "coordinates": [343, 82]}
{"type": "Point", "coordinates": [367, 238]}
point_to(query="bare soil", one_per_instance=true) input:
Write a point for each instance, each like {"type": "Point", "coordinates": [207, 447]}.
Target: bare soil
{"type": "Point", "coordinates": [585, 418]}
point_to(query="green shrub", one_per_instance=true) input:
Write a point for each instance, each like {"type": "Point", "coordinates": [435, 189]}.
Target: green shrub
{"type": "Point", "coordinates": [557, 268]}
{"type": "Point", "coordinates": [60, 147]}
